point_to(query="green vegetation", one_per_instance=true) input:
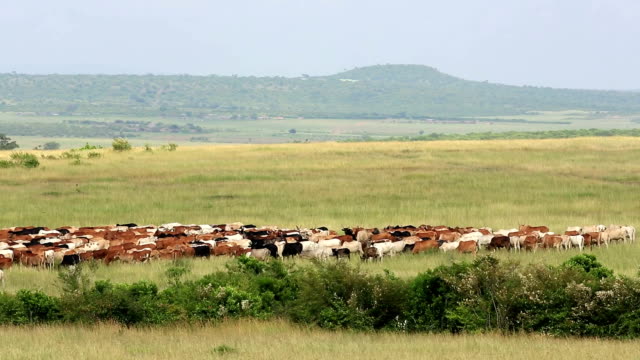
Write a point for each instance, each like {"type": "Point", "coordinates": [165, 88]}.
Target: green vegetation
{"type": "Point", "coordinates": [580, 297]}
{"type": "Point", "coordinates": [6, 143]}
{"type": "Point", "coordinates": [375, 92]}
{"type": "Point", "coordinates": [20, 159]}
{"type": "Point", "coordinates": [120, 144]}
{"type": "Point", "coordinates": [557, 134]}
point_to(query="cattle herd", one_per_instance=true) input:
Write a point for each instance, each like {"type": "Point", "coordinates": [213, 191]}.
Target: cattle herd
{"type": "Point", "coordinates": [45, 248]}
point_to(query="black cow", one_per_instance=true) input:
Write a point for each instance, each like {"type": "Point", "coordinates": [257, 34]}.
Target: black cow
{"type": "Point", "coordinates": [32, 231]}
{"type": "Point", "coordinates": [202, 251]}
{"type": "Point", "coordinates": [70, 260]}
{"type": "Point", "coordinates": [408, 247]}
{"type": "Point", "coordinates": [127, 225]}
{"type": "Point", "coordinates": [348, 231]}
{"type": "Point", "coordinates": [273, 249]}
{"type": "Point", "coordinates": [323, 228]}
{"type": "Point", "coordinates": [341, 253]}
{"type": "Point", "coordinates": [63, 231]}
{"type": "Point", "coordinates": [401, 233]}
{"type": "Point", "coordinates": [291, 249]}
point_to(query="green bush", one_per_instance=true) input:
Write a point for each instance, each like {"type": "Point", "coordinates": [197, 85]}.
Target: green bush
{"type": "Point", "coordinates": [93, 155]}
{"type": "Point", "coordinates": [5, 164]}
{"type": "Point", "coordinates": [120, 144]}
{"type": "Point", "coordinates": [25, 160]}
{"type": "Point", "coordinates": [38, 307]}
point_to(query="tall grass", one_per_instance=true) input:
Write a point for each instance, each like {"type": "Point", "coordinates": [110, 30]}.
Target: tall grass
{"type": "Point", "coordinates": [249, 339]}
{"type": "Point", "coordinates": [484, 183]}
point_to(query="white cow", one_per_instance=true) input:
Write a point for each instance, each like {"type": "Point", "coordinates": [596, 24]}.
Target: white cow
{"type": "Point", "coordinates": [631, 232]}
{"type": "Point", "coordinates": [575, 228]}
{"type": "Point", "coordinates": [475, 236]}
{"type": "Point", "coordinates": [384, 248]}
{"type": "Point", "coordinates": [505, 232]}
{"type": "Point", "coordinates": [577, 240]}
{"type": "Point", "coordinates": [308, 246]}
{"type": "Point", "coordinates": [321, 253]}
{"type": "Point", "coordinates": [332, 243]}
{"type": "Point", "coordinates": [485, 240]}
{"type": "Point", "coordinates": [615, 234]}
{"type": "Point", "coordinates": [354, 246]}
{"type": "Point", "coordinates": [7, 254]}
{"type": "Point", "coordinates": [49, 259]}
{"type": "Point", "coordinates": [449, 246]}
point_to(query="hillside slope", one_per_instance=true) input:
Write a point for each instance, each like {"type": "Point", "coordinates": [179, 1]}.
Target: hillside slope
{"type": "Point", "coordinates": [368, 92]}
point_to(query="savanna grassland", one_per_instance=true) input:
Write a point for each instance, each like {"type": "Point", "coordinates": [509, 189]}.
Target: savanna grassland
{"type": "Point", "coordinates": [280, 340]}
{"type": "Point", "coordinates": [478, 183]}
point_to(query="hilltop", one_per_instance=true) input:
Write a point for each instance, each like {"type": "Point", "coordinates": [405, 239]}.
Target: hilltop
{"type": "Point", "coordinates": [369, 92]}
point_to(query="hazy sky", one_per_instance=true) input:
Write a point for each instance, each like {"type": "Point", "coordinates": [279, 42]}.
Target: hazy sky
{"type": "Point", "coordinates": [559, 43]}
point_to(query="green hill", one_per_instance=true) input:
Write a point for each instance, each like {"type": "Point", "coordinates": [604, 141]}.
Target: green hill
{"type": "Point", "coordinates": [368, 92]}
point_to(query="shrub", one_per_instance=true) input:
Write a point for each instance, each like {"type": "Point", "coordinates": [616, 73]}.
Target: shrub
{"type": "Point", "coordinates": [93, 155]}
{"type": "Point", "coordinates": [25, 160]}
{"type": "Point", "coordinates": [90, 147]}
{"type": "Point", "coordinates": [4, 164]}
{"type": "Point", "coordinates": [120, 144]}
{"type": "Point", "coordinates": [589, 264]}
{"type": "Point", "coordinates": [38, 306]}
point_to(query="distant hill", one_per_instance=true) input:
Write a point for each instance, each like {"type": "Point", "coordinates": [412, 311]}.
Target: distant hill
{"type": "Point", "coordinates": [367, 92]}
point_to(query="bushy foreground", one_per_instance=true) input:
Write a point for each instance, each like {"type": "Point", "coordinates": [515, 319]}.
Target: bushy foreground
{"type": "Point", "coordinates": [579, 297]}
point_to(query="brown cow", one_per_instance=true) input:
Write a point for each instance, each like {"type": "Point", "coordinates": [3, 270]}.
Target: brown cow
{"type": "Point", "coordinates": [530, 243]}
{"type": "Point", "coordinates": [425, 245]}
{"type": "Point", "coordinates": [449, 236]}
{"type": "Point", "coordinates": [552, 241]}
{"type": "Point", "coordinates": [469, 246]}
{"type": "Point", "coordinates": [528, 228]}
{"type": "Point", "coordinates": [5, 263]}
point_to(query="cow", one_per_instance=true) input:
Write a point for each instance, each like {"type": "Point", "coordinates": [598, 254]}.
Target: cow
{"type": "Point", "coordinates": [291, 249]}
{"type": "Point", "coordinates": [2, 278]}
{"type": "Point", "coordinates": [425, 245]}
{"type": "Point", "coordinates": [631, 232]}
{"type": "Point", "coordinates": [260, 254]}
{"type": "Point", "coordinates": [371, 253]}
{"type": "Point", "coordinates": [70, 260]}
{"type": "Point", "coordinates": [498, 242]}
{"type": "Point", "coordinates": [384, 248]}
{"type": "Point", "coordinates": [530, 243]}
{"type": "Point", "coordinates": [5, 263]}
{"type": "Point", "coordinates": [529, 228]}
{"type": "Point", "coordinates": [468, 246]}
{"type": "Point", "coordinates": [202, 251]}
{"type": "Point", "coordinates": [552, 241]}
{"type": "Point", "coordinates": [450, 246]}
{"type": "Point", "coordinates": [352, 246]}
{"type": "Point", "coordinates": [617, 234]}
{"type": "Point", "coordinates": [341, 253]}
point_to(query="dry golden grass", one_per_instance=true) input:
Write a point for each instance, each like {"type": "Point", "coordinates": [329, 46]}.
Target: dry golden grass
{"type": "Point", "coordinates": [280, 340]}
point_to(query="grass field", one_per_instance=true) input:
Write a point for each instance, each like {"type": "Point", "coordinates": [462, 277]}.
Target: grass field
{"type": "Point", "coordinates": [485, 183]}
{"type": "Point", "coordinates": [279, 340]}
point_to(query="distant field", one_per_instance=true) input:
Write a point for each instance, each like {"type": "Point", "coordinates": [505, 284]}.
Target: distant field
{"type": "Point", "coordinates": [481, 183]}
{"type": "Point", "coordinates": [280, 340]}
{"type": "Point", "coordinates": [30, 131]}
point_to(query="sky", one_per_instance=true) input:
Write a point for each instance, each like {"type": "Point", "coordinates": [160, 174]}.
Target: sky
{"type": "Point", "coordinates": [592, 44]}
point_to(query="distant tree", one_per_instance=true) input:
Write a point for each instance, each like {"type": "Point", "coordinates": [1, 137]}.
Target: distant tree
{"type": "Point", "coordinates": [292, 131]}
{"type": "Point", "coordinates": [51, 145]}
{"type": "Point", "coordinates": [6, 143]}
{"type": "Point", "coordinates": [421, 132]}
